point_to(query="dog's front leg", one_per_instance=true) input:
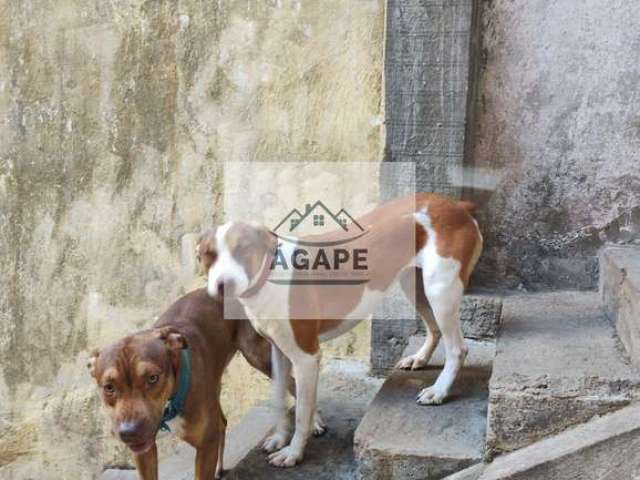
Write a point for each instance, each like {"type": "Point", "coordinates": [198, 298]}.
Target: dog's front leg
{"type": "Point", "coordinates": [281, 368]}
{"type": "Point", "coordinates": [147, 464]}
{"type": "Point", "coordinates": [305, 368]}
{"type": "Point", "coordinates": [207, 460]}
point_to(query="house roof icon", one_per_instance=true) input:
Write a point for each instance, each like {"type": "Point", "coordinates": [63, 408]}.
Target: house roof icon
{"type": "Point", "coordinates": [295, 218]}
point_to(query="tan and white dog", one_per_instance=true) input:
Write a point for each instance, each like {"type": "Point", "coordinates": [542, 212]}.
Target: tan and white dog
{"type": "Point", "coordinates": [434, 272]}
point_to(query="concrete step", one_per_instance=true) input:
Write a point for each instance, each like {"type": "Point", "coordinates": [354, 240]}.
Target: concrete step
{"type": "Point", "coordinates": [346, 389]}
{"type": "Point", "coordinates": [471, 473]}
{"type": "Point", "coordinates": [620, 294]}
{"type": "Point", "coordinates": [481, 352]}
{"type": "Point", "coordinates": [399, 439]}
{"type": "Point", "coordinates": [480, 317]}
{"type": "Point", "coordinates": [605, 448]}
{"type": "Point", "coordinates": [558, 363]}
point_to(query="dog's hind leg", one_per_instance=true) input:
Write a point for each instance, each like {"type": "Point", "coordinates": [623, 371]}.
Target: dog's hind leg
{"type": "Point", "coordinates": [444, 293]}
{"type": "Point", "coordinates": [413, 287]}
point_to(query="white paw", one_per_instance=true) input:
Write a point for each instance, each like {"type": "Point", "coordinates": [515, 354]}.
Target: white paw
{"type": "Point", "coordinates": [287, 457]}
{"type": "Point", "coordinates": [319, 427]}
{"type": "Point", "coordinates": [412, 362]}
{"type": "Point", "coordinates": [431, 396]}
{"type": "Point", "coordinates": [275, 441]}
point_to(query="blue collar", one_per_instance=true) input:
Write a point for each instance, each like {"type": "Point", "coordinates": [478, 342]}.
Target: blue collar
{"type": "Point", "coordinates": [175, 405]}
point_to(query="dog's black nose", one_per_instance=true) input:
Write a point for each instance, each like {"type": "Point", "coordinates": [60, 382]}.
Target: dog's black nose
{"type": "Point", "coordinates": [130, 431]}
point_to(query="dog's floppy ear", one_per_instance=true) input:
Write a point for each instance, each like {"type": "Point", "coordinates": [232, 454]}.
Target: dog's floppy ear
{"type": "Point", "coordinates": [267, 238]}
{"type": "Point", "coordinates": [207, 241]}
{"type": "Point", "coordinates": [91, 363]}
{"type": "Point", "coordinates": [205, 250]}
{"type": "Point", "coordinates": [171, 337]}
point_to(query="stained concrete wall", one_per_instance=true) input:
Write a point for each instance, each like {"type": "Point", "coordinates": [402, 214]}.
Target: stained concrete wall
{"type": "Point", "coordinates": [117, 116]}
{"type": "Point", "coordinates": [555, 120]}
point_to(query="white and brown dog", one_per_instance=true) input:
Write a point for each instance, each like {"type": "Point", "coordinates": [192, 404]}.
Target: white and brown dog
{"type": "Point", "coordinates": [434, 272]}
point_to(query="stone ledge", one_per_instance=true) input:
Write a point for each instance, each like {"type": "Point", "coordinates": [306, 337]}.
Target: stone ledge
{"type": "Point", "coordinates": [480, 316]}
{"type": "Point", "coordinates": [620, 294]}
{"type": "Point", "coordinates": [558, 363]}
{"type": "Point", "coordinates": [399, 439]}
{"type": "Point", "coordinates": [605, 447]}
{"type": "Point", "coordinates": [481, 353]}
{"type": "Point", "coordinates": [395, 323]}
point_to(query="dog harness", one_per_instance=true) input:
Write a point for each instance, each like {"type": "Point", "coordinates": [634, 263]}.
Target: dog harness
{"type": "Point", "coordinates": [175, 405]}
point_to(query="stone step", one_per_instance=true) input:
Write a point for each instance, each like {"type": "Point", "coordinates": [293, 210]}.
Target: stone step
{"type": "Point", "coordinates": [620, 294]}
{"type": "Point", "coordinates": [558, 363]}
{"type": "Point", "coordinates": [604, 448]}
{"type": "Point", "coordinates": [399, 439]}
{"type": "Point", "coordinates": [471, 473]}
{"type": "Point", "coordinates": [480, 316]}
{"type": "Point", "coordinates": [481, 352]}
{"type": "Point", "coordinates": [345, 391]}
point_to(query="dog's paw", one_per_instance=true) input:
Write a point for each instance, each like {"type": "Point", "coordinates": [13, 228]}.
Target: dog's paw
{"type": "Point", "coordinates": [431, 396]}
{"type": "Point", "coordinates": [275, 441]}
{"type": "Point", "coordinates": [287, 457]}
{"type": "Point", "coordinates": [319, 427]}
{"type": "Point", "coordinates": [412, 362]}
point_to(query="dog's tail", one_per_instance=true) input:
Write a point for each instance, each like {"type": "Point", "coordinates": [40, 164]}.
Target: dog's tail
{"type": "Point", "coordinates": [470, 207]}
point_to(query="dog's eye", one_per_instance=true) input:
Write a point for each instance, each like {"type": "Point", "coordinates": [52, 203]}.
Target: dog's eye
{"type": "Point", "coordinates": [153, 379]}
{"type": "Point", "coordinates": [109, 389]}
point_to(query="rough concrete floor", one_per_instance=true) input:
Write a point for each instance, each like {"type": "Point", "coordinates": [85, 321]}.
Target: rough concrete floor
{"type": "Point", "coordinates": [400, 439]}
{"type": "Point", "coordinates": [344, 394]}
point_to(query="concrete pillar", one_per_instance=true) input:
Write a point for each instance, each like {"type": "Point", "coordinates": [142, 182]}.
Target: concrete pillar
{"type": "Point", "coordinates": [426, 83]}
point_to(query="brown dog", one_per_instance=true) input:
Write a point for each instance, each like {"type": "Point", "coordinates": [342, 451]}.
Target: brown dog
{"type": "Point", "coordinates": [138, 374]}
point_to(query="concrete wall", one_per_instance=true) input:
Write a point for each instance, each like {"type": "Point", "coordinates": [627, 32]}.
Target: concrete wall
{"type": "Point", "coordinates": [118, 116]}
{"type": "Point", "coordinates": [555, 119]}
{"type": "Point", "coordinates": [426, 85]}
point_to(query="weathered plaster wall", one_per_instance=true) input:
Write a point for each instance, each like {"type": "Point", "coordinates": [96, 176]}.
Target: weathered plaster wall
{"type": "Point", "coordinates": [116, 118]}
{"type": "Point", "coordinates": [556, 121]}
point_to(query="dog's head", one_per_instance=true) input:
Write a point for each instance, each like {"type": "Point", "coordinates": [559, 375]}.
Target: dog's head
{"type": "Point", "coordinates": [136, 376]}
{"type": "Point", "coordinates": [233, 255]}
